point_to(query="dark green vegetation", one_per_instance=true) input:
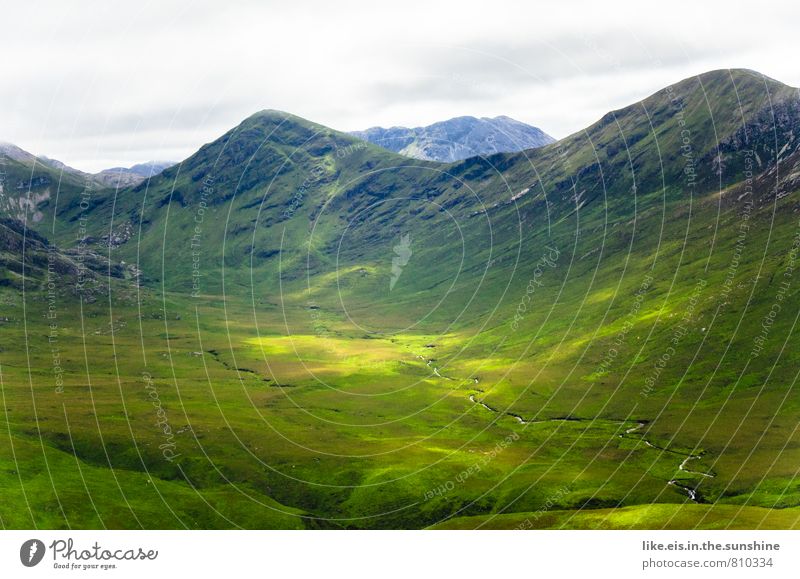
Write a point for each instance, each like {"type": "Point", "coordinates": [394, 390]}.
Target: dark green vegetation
{"type": "Point", "coordinates": [292, 328]}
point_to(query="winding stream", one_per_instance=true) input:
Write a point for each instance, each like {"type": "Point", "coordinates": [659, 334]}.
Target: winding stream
{"type": "Point", "coordinates": [690, 491]}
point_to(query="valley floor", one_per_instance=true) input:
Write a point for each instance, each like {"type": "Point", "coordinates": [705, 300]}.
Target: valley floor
{"type": "Point", "coordinates": [216, 423]}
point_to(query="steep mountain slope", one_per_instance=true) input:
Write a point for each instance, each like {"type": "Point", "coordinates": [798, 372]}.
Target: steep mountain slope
{"type": "Point", "coordinates": [30, 187]}
{"type": "Point", "coordinates": [11, 151]}
{"type": "Point", "coordinates": [15, 249]}
{"type": "Point", "coordinates": [458, 138]}
{"type": "Point", "coordinates": [603, 324]}
{"type": "Point", "coordinates": [269, 183]}
{"type": "Point", "coordinates": [28, 262]}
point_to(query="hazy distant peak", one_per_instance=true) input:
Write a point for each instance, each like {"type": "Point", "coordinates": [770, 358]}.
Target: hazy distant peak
{"type": "Point", "coordinates": [458, 138]}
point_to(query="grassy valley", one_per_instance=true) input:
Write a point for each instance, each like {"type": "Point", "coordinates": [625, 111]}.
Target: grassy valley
{"type": "Point", "coordinates": [293, 328]}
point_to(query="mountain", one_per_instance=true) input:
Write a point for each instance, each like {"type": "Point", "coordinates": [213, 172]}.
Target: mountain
{"type": "Point", "coordinates": [150, 168]}
{"type": "Point", "coordinates": [29, 262]}
{"type": "Point", "coordinates": [275, 168]}
{"type": "Point", "coordinates": [29, 183]}
{"type": "Point", "coordinates": [458, 138]}
{"type": "Point", "coordinates": [61, 166]}
{"type": "Point", "coordinates": [11, 151]}
{"type": "Point", "coordinates": [16, 246]}
{"type": "Point", "coordinates": [114, 177]}
{"type": "Point", "coordinates": [129, 176]}
{"type": "Point", "coordinates": [339, 336]}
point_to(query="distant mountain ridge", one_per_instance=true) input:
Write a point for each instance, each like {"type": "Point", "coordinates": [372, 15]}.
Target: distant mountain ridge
{"type": "Point", "coordinates": [458, 138]}
{"type": "Point", "coordinates": [127, 176]}
{"type": "Point", "coordinates": [114, 177]}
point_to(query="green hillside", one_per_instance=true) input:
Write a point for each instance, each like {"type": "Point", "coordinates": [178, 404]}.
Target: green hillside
{"type": "Point", "coordinates": [303, 330]}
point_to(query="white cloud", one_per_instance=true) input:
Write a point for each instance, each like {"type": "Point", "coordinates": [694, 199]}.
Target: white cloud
{"type": "Point", "coordinates": [112, 83]}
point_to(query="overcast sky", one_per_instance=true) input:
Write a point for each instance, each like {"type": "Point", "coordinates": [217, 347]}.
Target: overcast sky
{"type": "Point", "coordinates": [105, 83]}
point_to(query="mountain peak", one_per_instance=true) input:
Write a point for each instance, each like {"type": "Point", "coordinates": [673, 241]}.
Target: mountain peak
{"type": "Point", "coordinates": [458, 138]}
{"type": "Point", "coordinates": [271, 114]}
{"type": "Point", "coordinates": [12, 151]}
{"type": "Point", "coordinates": [737, 74]}
{"type": "Point", "coordinates": [740, 83]}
